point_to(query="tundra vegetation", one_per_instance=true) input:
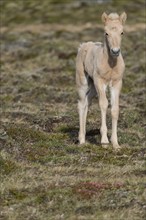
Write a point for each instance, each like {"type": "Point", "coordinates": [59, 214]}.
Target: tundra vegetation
{"type": "Point", "coordinates": [45, 174]}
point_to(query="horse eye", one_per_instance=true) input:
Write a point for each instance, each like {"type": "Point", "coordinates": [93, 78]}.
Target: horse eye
{"type": "Point", "coordinates": [106, 34]}
{"type": "Point", "coordinates": [122, 33]}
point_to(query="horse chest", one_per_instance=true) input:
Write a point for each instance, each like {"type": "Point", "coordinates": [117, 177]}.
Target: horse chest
{"type": "Point", "coordinates": [110, 74]}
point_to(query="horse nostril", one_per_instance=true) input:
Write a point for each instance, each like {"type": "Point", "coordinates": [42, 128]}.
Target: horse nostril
{"type": "Point", "coordinates": [115, 51]}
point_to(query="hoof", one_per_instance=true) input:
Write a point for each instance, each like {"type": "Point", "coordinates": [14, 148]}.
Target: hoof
{"type": "Point", "coordinates": [105, 145]}
{"type": "Point", "coordinates": [116, 147]}
{"type": "Point", "coordinates": [82, 142]}
{"type": "Point", "coordinates": [105, 142]}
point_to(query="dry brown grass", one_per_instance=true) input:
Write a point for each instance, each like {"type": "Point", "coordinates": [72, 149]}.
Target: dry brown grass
{"type": "Point", "coordinates": [45, 174]}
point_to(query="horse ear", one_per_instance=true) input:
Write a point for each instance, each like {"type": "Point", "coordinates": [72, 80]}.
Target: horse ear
{"type": "Point", "coordinates": [104, 17]}
{"type": "Point", "coordinates": [123, 17]}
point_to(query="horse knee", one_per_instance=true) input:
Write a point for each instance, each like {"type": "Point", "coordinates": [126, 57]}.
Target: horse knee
{"type": "Point", "coordinates": [82, 104]}
{"type": "Point", "coordinates": [115, 112]}
{"type": "Point", "coordinates": [103, 104]}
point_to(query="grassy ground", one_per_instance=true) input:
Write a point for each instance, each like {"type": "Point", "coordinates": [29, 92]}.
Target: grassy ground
{"type": "Point", "coordinates": [45, 174]}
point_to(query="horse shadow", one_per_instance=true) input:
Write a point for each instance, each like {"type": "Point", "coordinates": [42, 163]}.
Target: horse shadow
{"type": "Point", "coordinates": [92, 135]}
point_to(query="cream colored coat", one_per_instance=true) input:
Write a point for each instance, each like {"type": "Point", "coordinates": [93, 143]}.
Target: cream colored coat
{"type": "Point", "coordinates": [97, 66]}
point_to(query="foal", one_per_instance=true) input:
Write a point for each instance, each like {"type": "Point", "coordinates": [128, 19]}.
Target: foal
{"type": "Point", "coordinates": [97, 66]}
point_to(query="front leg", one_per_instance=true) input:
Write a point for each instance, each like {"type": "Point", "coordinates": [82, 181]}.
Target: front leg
{"type": "Point", "coordinates": [115, 92]}
{"type": "Point", "coordinates": [103, 104]}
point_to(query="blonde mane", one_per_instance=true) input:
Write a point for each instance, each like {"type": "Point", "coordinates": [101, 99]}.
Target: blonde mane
{"type": "Point", "coordinates": [113, 16]}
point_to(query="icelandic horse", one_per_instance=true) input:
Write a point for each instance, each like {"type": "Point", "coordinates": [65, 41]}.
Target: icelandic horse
{"type": "Point", "coordinates": [99, 65]}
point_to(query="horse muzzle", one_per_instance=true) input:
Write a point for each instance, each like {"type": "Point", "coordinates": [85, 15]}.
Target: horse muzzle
{"type": "Point", "coordinates": [115, 52]}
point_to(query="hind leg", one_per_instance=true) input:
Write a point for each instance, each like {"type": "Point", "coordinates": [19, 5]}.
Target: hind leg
{"type": "Point", "coordinates": [83, 109]}
{"type": "Point", "coordinates": [91, 93]}
{"type": "Point", "coordinates": [86, 93]}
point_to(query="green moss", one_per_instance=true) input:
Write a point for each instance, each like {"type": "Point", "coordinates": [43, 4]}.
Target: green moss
{"type": "Point", "coordinates": [23, 133]}
{"type": "Point", "coordinates": [7, 166]}
{"type": "Point", "coordinates": [6, 98]}
{"type": "Point", "coordinates": [18, 195]}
